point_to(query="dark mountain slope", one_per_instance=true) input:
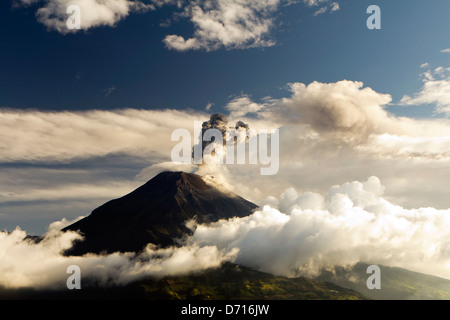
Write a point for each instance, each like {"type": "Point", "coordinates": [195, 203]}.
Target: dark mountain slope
{"type": "Point", "coordinates": [156, 213]}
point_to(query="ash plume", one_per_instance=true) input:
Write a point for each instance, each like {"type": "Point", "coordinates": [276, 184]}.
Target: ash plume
{"type": "Point", "coordinates": [219, 122]}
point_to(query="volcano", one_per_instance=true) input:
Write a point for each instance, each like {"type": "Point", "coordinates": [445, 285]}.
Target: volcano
{"type": "Point", "coordinates": [156, 213]}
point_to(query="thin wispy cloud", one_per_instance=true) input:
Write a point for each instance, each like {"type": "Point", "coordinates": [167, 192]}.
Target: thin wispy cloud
{"type": "Point", "coordinates": [209, 106]}
{"type": "Point", "coordinates": [435, 90]}
{"type": "Point", "coordinates": [57, 137]}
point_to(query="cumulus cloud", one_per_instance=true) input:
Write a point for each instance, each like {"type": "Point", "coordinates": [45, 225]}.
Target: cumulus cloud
{"type": "Point", "coordinates": [330, 132]}
{"type": "Point", "coordinates": [93, 13]}
{"type": "Point", "coordinates": [341, 107]}
{"type": "Point", "coordinates": [352, 223]}
{"type": "Point", "coordinates": [227, 23]}
{"type": "Point", "coordinates": [299, 233]}
{"type": "Point", "coordinates": [345, 110]}
{"type": "Point", "coordinates": [230, 24]}
{"type": "Point", "coordinates": [235, 24]}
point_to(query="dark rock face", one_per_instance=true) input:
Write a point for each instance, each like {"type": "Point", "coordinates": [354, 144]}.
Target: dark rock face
{"type": "Point", "coordinates": [156, 213]}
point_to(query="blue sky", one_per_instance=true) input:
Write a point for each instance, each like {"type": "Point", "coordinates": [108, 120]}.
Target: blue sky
{"type": "Point", "coordinates": [362, 116]}
{"type": "Point", "coordinates": [44, 69]}
{"type": "Point", "coordinates": [87, 116]}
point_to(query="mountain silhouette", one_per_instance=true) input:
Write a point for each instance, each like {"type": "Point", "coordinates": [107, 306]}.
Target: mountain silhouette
{"type": "Point", "coordinates": [156, 213]}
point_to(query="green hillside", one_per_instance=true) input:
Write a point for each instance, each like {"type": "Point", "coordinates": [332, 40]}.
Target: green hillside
{"type": "Point", "coordinates": [232, 282]}
{"type": "Point", "coordinates": [396, 283]}
{"type": "Point", "coordinates": [229, 282]}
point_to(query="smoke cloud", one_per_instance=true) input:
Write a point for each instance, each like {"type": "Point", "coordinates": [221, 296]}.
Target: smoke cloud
{"type": "Point", "coordinates": [229, 134]}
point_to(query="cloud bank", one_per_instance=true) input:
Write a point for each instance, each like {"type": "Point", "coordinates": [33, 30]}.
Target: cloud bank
{"type": "Point", "coordinates": [298, 233]}
{"type": "Point", "coordinates": [24, 263]}
{"type": "Point", "coordinates": [63, 136]}
{"type": "Point", "coordinates": [329, 133]}
{"type": "Point", "coordinates": [301, 233]}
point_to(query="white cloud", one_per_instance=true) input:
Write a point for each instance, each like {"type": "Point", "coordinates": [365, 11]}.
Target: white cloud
{"type": "Point", "coordinates": [320, 11]}
{"type": "Point", "coordinates": [93, 13]}
{"type": "Point", "coordinates": [352, 223]}
{"type": "Point", "coordinates": [336, 131]}
{"type": "Point", "coordinates": [27, 264]}
{"type": "Point", "coordinates": [332, 7]}
{"type": "Point", "coordinates": [299, 234]}
{"type": "Point", "coordinates": [329, 134]}
{"type": "Point", "coordinates": [178, 43]}
{"type": "Point", "coordinates": [227, 23]}
{"type": "Point", "coordinates": [67, 136]}
{"type": "Point", "coordinates": [68, 191]}
{"type": "Point", "coordinates": [209, 106]}
{"type": "Point", "coordinates": [446, 50]}
{"type": "Point", "coordinates": [437, 148]}
{"type": "Point", "coordinates": [232, 24]}
{"type": "Point", "coordinates": [242, 106]}
{"type": "Point", "coordinates": [344, 110]}
{"type": "Point", "coordinates": [313, 3]}
{"type": "Point", "coordinates": [435, 90]}
{"type": "Point", "coordinates": [325, 6]}
{"type": "Point", "coordinates": [335, 6]}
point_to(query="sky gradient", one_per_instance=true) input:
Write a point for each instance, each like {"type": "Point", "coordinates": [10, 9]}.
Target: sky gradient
{"type": "Point", "coordinates": [87, 115]}
{"type": "Point", "coordinates": [129, 65]}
